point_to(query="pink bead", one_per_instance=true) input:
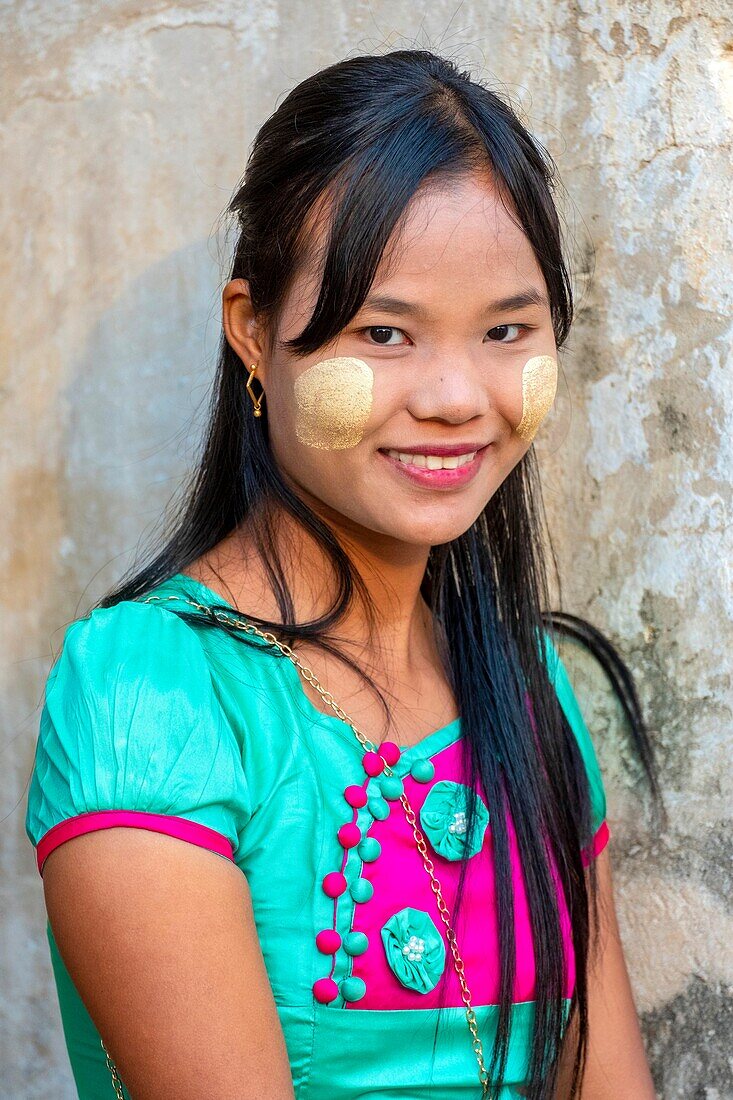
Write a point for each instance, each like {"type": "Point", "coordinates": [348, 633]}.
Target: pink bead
{"type": "Point", "coordinates": [325, 990]}
{"type": "Point", "coordinates": [334, 884]}
{"type": "Point", "coordinates": [373, 763]}
{"type": "Point", "coordinates": [355, 796]}
{"type": "Point", "coordinates": [389, 752]}
{"type": "Point", "coordinates": [349, 835]}
{"type": "Point", "coordinates": [328, 941]}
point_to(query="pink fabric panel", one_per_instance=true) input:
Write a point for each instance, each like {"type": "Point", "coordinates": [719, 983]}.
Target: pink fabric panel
{"type": "Point", "coordinates": [180, 827]}
{"type": "Point", "coordinates": [401, 880]}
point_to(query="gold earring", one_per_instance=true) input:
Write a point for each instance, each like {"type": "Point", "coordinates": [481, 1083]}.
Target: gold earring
{"type": "Point", "coordinates": [256, 401]}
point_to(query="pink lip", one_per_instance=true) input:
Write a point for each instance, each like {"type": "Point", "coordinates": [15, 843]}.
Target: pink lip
{"type": "Point", "coordinates": [440, 479]}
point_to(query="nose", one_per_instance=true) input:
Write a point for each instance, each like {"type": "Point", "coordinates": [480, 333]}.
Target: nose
{"type": "Point", "coordinates": [450, 388]}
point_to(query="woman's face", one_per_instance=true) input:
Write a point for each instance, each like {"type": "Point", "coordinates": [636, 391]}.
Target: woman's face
{"type": "Point", "coordinates": [407, 424]}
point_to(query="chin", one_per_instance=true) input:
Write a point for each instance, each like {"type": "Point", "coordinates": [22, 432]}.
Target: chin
{"type": "Point", "coordinates": [428, 534]}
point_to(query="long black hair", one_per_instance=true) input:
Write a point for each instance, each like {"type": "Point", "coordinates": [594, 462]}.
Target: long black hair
{"type": "Point", "coordinates": [366, 133]}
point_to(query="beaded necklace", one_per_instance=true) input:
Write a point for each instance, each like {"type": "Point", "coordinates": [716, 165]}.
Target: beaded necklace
{"type": "Point", "coordinates": [378, 759]}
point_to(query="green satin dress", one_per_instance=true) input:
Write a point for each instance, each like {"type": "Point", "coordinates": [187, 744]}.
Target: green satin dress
{"type": "Point", "coordinates": [153, 723]}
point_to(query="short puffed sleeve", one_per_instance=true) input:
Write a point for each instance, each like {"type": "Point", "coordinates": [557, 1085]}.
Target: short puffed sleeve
{"type": "Point", "coordinates": [132, 733]}
{"type": "Point", "coordinates": [568, 701]}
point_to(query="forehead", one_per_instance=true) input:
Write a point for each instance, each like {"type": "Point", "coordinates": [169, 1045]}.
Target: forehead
{"type": "Point", "coordinates": [456, 244]}
{"type": "Point", "coordinates": [456, 233]}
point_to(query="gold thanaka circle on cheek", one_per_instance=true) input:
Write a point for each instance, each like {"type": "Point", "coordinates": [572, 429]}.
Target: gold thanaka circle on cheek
{"type": "Point", "coordinates": [333, 400]}
{"type": "Point", "coordinates": [539, 385]}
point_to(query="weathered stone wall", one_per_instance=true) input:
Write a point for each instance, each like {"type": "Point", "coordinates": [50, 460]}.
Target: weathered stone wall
{"type": "Point", "coordinates": [125, 127]}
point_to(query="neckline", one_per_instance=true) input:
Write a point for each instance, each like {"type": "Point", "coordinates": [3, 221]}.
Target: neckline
{"type": "Point", "coordinates": [426, 748]}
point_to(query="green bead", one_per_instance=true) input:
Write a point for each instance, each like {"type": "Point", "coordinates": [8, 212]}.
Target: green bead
{"type": "Point", "coordinates": [361, 890]}
{"type": "Point", "coordinates": [352, 989]}
{"type": "Point", "coordinates": [392, 787]}
{"type": "Point", "coordinates": [378, 808]}
{"type": "Point", "coordinates": [422, 770]}
{"type": "Point", "coordinates": [369, 849]}
{"type": "Point", "coordinates": [355, 943]}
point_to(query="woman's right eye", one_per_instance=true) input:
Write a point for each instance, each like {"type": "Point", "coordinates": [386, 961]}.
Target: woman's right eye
{"type": "Point", "coordinates": [379, 332]}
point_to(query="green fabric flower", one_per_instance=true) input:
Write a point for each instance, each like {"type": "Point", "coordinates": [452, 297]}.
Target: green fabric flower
{"type": "Point", "coordinates": [443, 819]}
{"type": "Point", "coordinates": [414, 948]}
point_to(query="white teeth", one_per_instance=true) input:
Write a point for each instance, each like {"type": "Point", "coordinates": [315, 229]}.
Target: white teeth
{"type": "Point", "coordinates": [433, 462]}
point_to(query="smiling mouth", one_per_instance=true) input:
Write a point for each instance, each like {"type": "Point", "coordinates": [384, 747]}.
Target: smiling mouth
{"type": "Point", "coordinates": [432, 461]}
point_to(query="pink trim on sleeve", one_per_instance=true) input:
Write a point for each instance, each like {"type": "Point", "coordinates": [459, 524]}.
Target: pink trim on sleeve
{"type": "Point", "coordinates": [597, 844]}
{"type": "Point", "coordinates": [180, 827]}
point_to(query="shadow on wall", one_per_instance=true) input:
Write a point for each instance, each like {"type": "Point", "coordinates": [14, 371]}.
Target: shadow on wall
{"type": "Point", "coordinates": [686, 1064]}
{"type": "Point", "coordinates": [136, 407]}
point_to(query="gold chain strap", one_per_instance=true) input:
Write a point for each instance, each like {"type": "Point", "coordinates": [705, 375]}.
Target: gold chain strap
{"type": "Point", "coordinates": [116, 1082]}
{"type": "Point", "coordinates": [443, 910]}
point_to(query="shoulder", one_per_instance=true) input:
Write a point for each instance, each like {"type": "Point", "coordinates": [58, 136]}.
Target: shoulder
{"type": "Point", "coordinates": [560, 680]}
{"type": "Point", "coordinates": [132, 723]}
{"type": "Point", "coordinates": [134, 667]}
{"type": "Point", "coordinates": [131, 624]}
{"type": "Point", "coordinates": [129, 644]}
{"type": "Point", "coordinates": [568, 699]}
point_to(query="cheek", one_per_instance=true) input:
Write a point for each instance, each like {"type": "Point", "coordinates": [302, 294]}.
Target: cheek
{"type": "Point", "coordinates": [539, 385]}
{"type": "Point", "coordinates": [333, 400]}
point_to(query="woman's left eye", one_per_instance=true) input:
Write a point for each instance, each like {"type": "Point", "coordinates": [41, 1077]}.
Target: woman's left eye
{"type": "Point", "coordinates": [502, 330]}
{"type": "Point", "coordinates": [378, 333]}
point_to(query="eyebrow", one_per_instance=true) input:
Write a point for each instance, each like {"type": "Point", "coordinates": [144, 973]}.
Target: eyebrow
{"type": "Point", "coordinates": [520, 300]}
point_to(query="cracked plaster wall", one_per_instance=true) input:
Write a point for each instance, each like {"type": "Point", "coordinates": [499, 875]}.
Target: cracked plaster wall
{"type": "Point", "coordinates": [125, 127]}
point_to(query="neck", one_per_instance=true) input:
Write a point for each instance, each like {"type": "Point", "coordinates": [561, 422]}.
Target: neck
{"type": "Point", "coordinates": [391, 571]}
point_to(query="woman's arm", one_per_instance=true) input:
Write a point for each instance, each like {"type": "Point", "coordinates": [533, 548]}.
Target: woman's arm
{"type": "Point", "coordinates": [616, 1065]}
{"type": "Point", "coordinates": [159, 938]}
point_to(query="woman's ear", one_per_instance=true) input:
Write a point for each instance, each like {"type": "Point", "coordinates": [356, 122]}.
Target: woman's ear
{"type": "Point", "coordinates": [241, 328]}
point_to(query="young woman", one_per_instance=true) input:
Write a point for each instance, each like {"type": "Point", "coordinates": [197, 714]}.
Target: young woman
{"type": "Point", "coordinates": [339, 675]}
